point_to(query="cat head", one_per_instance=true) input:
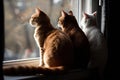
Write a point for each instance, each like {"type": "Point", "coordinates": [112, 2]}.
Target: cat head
{"type": "Point", "coordinates": [66, 20]}
{"type": "Point", "coordinates": [38, 18]}
{"type": "Point", "coordinates": [88, 19]}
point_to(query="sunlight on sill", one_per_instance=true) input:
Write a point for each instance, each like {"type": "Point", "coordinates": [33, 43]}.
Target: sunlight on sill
{"type": "Point", "coordinates": [22, 62]}
{"type": "Point", "coordinates": [18, 60]}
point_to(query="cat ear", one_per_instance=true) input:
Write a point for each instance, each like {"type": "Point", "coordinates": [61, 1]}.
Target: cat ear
{"type": "Point", "coordinates": [85, 15]}
{"type": "Point", "coordinates": [70, 13]}
{"type": "Point", "coordinates": [37, 10]}
{"type": "Point", "coordinates": [94, 13]}
{"type": "Point", "coordinates": [63, 13]}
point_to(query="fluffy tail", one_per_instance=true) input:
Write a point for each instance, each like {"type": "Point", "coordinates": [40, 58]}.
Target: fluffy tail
{"type": "Point", "coordinates": [32, 70]}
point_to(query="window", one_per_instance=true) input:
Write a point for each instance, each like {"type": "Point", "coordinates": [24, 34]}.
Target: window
{"type": "Point", "coordinates": [20, 46]}
{"type": "Point", "coordinates": [19, 41]}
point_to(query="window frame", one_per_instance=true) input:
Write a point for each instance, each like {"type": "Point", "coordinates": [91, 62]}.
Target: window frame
{"type": "Point", "coordinates": [35, 61]}
{"type": "Point", "coordinates": [28, 61]}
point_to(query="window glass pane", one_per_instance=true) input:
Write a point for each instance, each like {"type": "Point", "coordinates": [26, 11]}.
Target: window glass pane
{"type": "Point", "coordinates": [19, 41]}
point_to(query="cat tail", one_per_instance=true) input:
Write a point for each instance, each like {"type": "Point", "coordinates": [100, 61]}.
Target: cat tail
{"type": "Point", "coordinates": [33, 70]}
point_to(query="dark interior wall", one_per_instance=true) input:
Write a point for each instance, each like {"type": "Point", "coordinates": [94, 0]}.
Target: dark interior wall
{"type": "Point", "coordinates": [109, 33]}
{"type": "Point", "coordinates": [1, 37]}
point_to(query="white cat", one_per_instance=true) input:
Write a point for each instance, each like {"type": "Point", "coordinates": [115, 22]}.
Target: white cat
{"type": "Point", "coordinates": [98, 45]}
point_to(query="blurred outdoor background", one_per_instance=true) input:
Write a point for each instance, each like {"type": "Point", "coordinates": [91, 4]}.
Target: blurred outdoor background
{"type": "Point", "coordinates": [19, 41]}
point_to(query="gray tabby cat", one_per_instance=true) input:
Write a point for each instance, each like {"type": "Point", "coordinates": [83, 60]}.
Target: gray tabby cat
{"type": "Point", "coordinates": [98, 46]}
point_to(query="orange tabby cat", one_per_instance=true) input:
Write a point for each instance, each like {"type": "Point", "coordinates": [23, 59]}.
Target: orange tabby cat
{"type": "Point", "coordinates": [69, 25]}
{"type": "Point", "coordinates": [56, 48]}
